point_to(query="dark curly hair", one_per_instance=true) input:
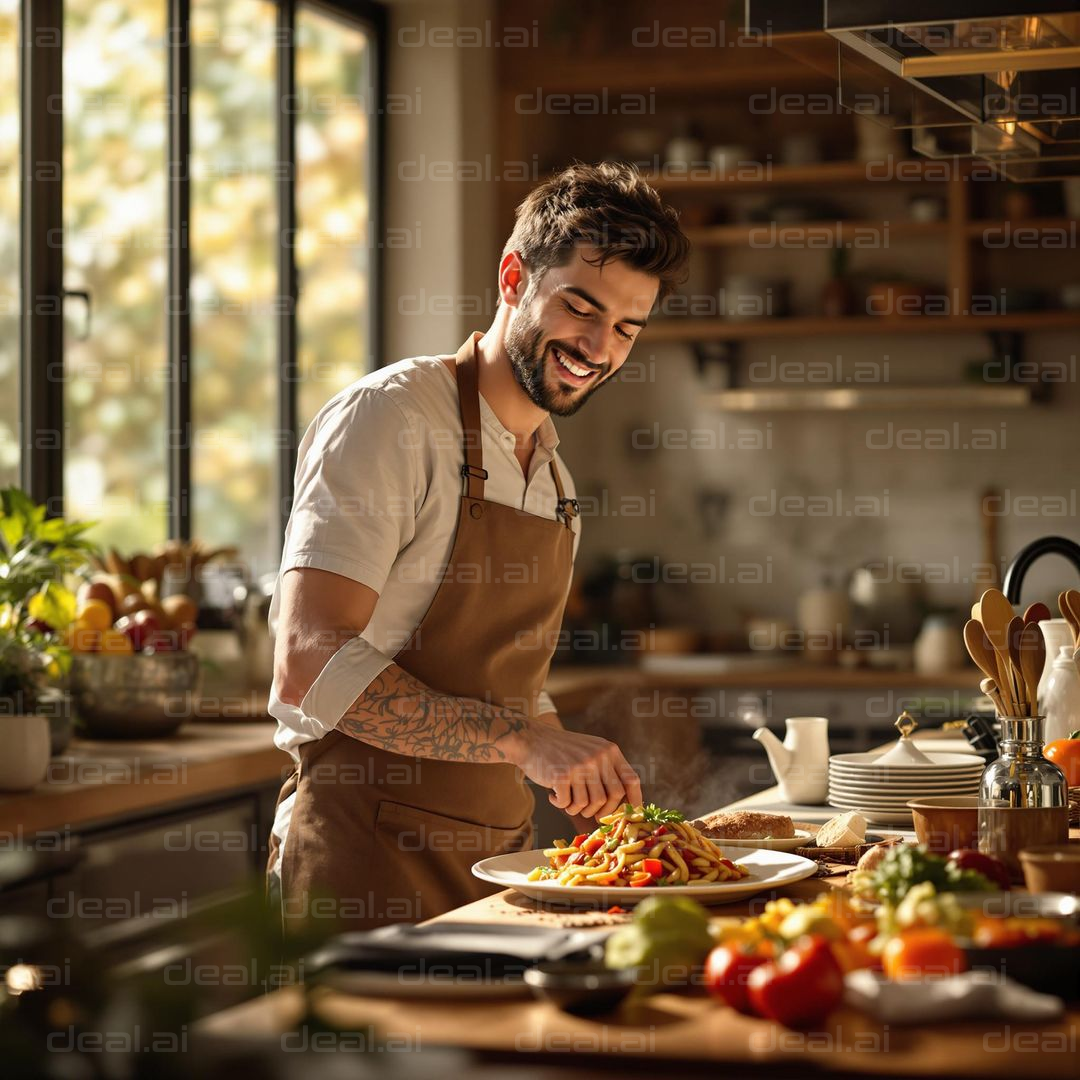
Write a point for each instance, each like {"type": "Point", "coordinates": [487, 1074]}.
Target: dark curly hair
{"type": "Point", "coordinates": [609, 206]}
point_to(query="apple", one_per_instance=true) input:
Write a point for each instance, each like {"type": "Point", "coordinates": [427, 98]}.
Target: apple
{"type": "Point", "coordinates": [141, 628]}
{"type": "Point", "coordinates": [98, 590]}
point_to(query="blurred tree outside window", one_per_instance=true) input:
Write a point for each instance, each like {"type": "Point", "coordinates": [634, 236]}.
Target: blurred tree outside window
{"type": "Point", "coordinates": [116, 247]}
{"type": "Point", "coordinates": [234, 290]}
{"type": "Point", "coordinates": [335, 89]}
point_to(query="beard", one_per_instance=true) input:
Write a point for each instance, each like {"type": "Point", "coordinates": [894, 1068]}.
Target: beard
{"type": "Point", "coordinates": [529, 363]}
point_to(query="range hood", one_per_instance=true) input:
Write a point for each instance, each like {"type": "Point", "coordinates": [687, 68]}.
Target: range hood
{"type": "Point", "coordinates": [997, 81]}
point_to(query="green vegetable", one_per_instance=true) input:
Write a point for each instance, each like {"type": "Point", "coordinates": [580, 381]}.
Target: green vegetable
{"type": "Point", "coordinates": [907, 865]}
{"type": "Point", "coordinates": [653, 813]}
{"type": "Point", "coordinates": [668, 938]}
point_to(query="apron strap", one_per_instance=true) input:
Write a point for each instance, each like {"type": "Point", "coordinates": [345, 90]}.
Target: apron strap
{"type": "Point", "coordinates": [469, 403]}
{"type": "Point", "coordinates": [468, 381]}
{"type": "Point", "coordinates": [566, 509]}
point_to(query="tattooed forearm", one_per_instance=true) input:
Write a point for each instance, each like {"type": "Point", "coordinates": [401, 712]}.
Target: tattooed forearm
{"type": "Point", "coordinates": [401, 714]}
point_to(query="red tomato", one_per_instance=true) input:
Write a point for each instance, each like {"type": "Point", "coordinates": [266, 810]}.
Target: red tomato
{"type": "Point", "coordinates": [801, 988]}
{"type": "Point", "coordinates": [726, 970]}
{"type": "Point", "coordinates": [653, 866]}
{"type": "Point", "coordinates": [992, 869]}
{"type": "Point", "coordinates": [591, 847]}
{"type": "Point", "coordinates": [579, 839]}
{"type": "Point", "coordinates": [922, 954]}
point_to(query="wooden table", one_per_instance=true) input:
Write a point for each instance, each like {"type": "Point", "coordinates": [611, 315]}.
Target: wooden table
{"type": "Point", "coordinates": [685, 1031]}
{"type": "Point", "coordinates": [97, 780]}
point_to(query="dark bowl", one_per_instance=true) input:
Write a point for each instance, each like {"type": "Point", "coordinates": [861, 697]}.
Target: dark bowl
{"type": "Point", "coordinates": [1043, 966]}
{"type": "Point", "coordinates": [585, 988]}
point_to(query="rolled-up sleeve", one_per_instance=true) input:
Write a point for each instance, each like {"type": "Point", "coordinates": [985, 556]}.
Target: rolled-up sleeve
{"type": "Point", "coordinates": [355, 501]}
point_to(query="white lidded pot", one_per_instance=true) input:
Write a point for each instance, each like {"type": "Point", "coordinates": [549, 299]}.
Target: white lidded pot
{"type": "Point", "coordinates": [1057, 634]}
{"type": "Point", "coordinates": [27, 744]}
{"type": "Point", "coordinates": [1061, 697]}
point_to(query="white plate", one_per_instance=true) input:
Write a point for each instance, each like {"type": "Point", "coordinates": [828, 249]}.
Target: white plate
{"type": "Point", "coordinates": [890, 815]}
{"type": "Point", "coordinates": [768, 869]}
{"type": "Point", "coordinates": [880, 800]}
{"type": "Point", "coordinates": [787, 843]}
{"type": "Point", "coordinates": [873, 761]}
{"type": "Point", "coordinates": [976, 765]}
{"type": "Point", "coordinates": [960, 787]}
{"type": "Point", "coordinates": [887, 817]}
{"type": "Point", "coordinates": [924, 777]}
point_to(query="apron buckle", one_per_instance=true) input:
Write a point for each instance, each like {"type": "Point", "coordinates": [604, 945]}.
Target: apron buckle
{"type": "Point", "coordinates": [474, 471]}
{"type": "Point", "coordinates": [568, 509]}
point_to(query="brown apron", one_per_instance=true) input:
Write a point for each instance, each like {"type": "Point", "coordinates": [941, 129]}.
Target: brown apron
{"type": "Point", "coordinates": [377, 837]}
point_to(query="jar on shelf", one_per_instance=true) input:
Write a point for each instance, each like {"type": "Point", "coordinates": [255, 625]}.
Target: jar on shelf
{"type": "Point", "coordinates": [1023, 798]}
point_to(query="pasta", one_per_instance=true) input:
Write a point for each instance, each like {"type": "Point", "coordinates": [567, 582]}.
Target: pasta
{"type": "Point", "coordinates": [638, 846]}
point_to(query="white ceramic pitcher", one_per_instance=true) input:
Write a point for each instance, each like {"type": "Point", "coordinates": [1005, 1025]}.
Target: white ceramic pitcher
{"type": "Point", "coordinates": [801, 762]}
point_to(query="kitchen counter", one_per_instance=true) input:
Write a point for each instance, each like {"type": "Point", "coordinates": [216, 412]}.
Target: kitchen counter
{"type": "Point", "coordinates": [573, 686]}
{"type": "Point", "coordinates": [689, 1030]}
{"type": "Point", "coordinates": [98, 780]}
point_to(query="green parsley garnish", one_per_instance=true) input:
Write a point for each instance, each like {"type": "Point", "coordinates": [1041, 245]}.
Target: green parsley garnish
{"type": "Point", "coordinates": [653, 813]}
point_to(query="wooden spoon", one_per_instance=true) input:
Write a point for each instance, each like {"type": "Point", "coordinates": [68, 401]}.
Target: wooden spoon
{"type": "Point", "coordinates": [1032, 661]}
{"type": "Point", "coordinates": [976, 611]}
{"type": "Point", "coordinates": [1036, 613]}
{"type": "Point", "coordinates": [989, 688]}
{"type": "Point", "coordinates": [1015, 630]}
{"type": "Point", "coordinates": [1067, 615]}
{"type": "Point", "coordinates": [1072, 601]}
{"type": "Point", "coordinates": [982, 652]}
{"type": "Point", "coordinates": [997, 613]}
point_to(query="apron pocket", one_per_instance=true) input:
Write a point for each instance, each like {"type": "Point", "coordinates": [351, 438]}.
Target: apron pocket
{"type": "Point", "coordinates": [422, 862]}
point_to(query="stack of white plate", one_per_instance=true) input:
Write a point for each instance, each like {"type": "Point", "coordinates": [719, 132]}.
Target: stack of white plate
{"type": "Point", "coordinates": [881, 792]}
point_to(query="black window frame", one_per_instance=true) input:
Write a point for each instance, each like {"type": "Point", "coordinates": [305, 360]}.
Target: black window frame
{"type": "Point", "coordinates": [41, 286]}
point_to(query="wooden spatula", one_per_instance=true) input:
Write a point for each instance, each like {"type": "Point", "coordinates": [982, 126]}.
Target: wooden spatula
{"type": "Point", "coordinates": [1015, 630]}
{"type": "Point", "coordinates": [1067, 615]}
{"type": "Point", "coordinates": [1072, 601]}
{"type": "Point", "coordinates": [1032, 661]}
{"type": "Point", "coordinates": [997, 613]}
{"type": "Point", "coordinates": [989, 688]}
{"type": "Point", "coordinates": [1036, 613]}
{"type": "Point", "coordinates": [982, 652]}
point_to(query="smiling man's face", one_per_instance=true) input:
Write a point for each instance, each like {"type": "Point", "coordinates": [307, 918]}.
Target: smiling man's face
{"type": "Point", "coordinates": [573, 330]}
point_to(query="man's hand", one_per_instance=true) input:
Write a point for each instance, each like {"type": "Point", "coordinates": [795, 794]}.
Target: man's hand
{"type": "Point", "coordinates": [588, 775]}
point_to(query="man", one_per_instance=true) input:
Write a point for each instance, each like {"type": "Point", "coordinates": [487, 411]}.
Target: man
{"type": "Point", "coordinates": [426, 566]}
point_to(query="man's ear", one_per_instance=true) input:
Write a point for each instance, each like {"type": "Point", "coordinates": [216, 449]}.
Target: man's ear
{"type": "Point", "coordinates": [513, 279]}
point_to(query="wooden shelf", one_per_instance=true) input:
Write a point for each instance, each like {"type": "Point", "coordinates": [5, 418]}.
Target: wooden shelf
{"type": "Point", "coordinates": [733, 73]}
{"type": "Point", "coordinates": [758, 233]}
{"type": "Point", "coordinates": [723, 330]}
{"type": "Point", "coordinates": [702, 179]}
{"type": "Point", "coordinates": [868, 398]}
{"type": "Point", "coordinates": [978, 229]}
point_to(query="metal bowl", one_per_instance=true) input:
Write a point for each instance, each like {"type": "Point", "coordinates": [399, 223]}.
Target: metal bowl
{"type": "Point", "coordinates": [582, 987]}
{"type": "Point", "coordinates": [138, 696]}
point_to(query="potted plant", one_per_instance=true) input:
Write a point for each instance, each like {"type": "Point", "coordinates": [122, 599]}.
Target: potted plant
{"type": "Point", "coordinates": [37, 555]}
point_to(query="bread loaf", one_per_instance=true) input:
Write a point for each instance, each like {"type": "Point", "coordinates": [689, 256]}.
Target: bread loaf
{"type": "Point", "coordinates": [745, 825]}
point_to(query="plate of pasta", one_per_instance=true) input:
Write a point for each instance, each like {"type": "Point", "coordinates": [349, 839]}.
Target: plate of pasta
{"type": "Point", "coordinates": [640, 851]}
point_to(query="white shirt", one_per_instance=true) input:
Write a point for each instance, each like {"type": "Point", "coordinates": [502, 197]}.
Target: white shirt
{"type": "Point", "coordinates": [377, 492]}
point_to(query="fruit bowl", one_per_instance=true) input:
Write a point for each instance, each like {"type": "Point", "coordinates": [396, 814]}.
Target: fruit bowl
{"type": "Point", "coordinates": [135, 696]}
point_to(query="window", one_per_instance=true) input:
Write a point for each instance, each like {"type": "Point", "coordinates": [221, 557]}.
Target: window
{"type": "Point", "coordinates": [9, 242]}
{"type": "Point", "coordinates": [335, 91]}
{"type": "Point", "coordinates": [202, 245]}
{"type": "Point", "coordinates": [234, 222]}
{"type": "Point", "coordinates": [116, 251]}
